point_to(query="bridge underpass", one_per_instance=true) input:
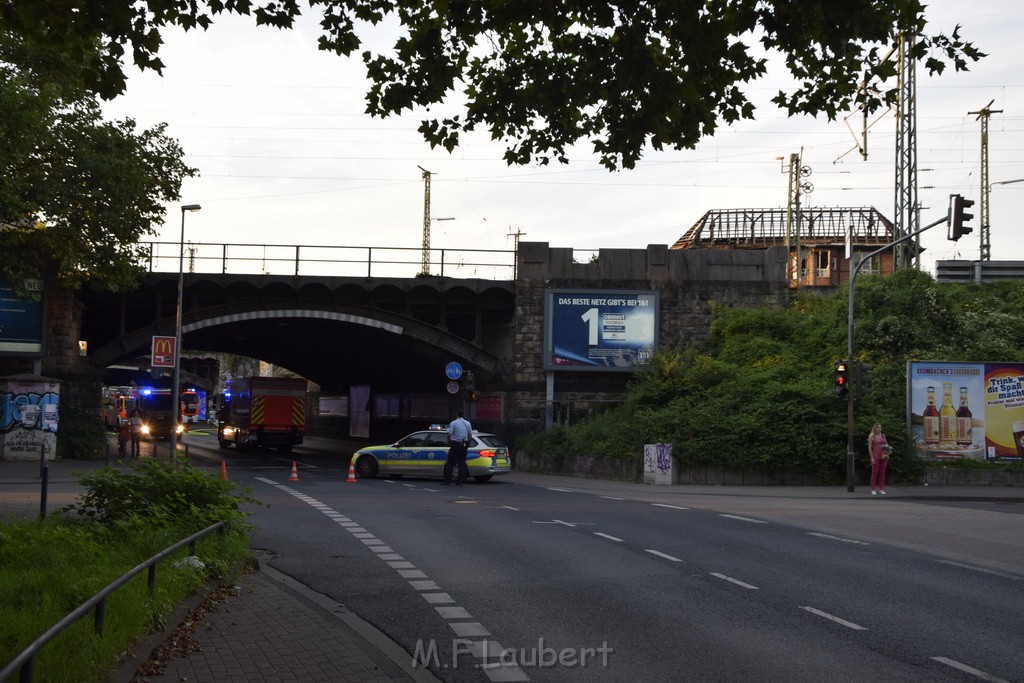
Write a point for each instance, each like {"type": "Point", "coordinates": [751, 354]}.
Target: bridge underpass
{"type": "Point", "coordinates": [393, 334]}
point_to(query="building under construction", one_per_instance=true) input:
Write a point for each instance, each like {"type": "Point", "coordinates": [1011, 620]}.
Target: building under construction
{"type": "Point", "coordinates": [816, 239]}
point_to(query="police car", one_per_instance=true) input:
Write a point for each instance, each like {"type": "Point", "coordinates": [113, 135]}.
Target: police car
{"type": "Point", "coordinates": [424, 454]}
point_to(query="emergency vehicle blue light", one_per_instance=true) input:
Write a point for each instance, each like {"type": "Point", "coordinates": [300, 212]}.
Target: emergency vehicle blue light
{"type": "Point", "coordinates": [147, 392]}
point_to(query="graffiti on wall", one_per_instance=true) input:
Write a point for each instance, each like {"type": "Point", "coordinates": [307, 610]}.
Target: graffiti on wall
{"type": "Point", "coordinates": [28, 421]}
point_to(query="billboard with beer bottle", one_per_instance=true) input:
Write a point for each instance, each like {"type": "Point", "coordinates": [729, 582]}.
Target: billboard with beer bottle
{"type": "Point", "coordinates": [959, 410]}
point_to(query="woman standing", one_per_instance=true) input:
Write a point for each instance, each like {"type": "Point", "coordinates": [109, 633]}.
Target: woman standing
{"type": "Point", "coordinates": [879, 449]}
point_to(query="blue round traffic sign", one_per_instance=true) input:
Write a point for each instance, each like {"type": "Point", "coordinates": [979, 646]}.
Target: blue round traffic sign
{"type": "Point", "coordinates": [453, 370]}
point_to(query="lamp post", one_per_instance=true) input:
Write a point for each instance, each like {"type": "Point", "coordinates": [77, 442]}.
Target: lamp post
{"type": "Point", "coordinates": [175, 398]}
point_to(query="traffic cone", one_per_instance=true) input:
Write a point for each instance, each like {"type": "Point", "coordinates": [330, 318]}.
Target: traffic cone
{"type": "Point", "coordinates": [351, 473]}
{"type": "Point", "coordinates": [295, 472]}
{"type": "Point", "coordinates": [223, 471]}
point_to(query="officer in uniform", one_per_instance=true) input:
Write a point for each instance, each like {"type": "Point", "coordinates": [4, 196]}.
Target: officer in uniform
{"type": "Point", "coordinates": [458, 440]}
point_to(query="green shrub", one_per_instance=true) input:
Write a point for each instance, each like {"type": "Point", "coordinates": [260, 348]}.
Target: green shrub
{"type": "Point", "coordinates": [760, 394]}
{"type": "Point", "coordinates": [80, 435]}
{"type": "Point", "coordinates": [157, 494]}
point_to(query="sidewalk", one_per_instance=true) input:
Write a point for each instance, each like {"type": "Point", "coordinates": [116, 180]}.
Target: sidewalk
{"type": "Point", "coordinates": [271, 628]}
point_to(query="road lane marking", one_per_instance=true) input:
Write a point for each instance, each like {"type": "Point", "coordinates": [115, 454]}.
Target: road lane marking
{"type": "Point", "coordinates": [969, 669]}
{"type": "Point", "coordinates": [484, 650]}
{"type": "Point", "coordinates": [736, 581]}
{"type": "Point", "coordinates": [610, 538]}
{"type": "Point", "coordinates": [612, 498]}
{"type": "Point", "coordinates": [981, 569]}
{"type": "Point", "coordinates": [836, 538]}
{"type": "Point", "coordinates": [745, 519]}
{"type": "Point", "coordinates": [664, 505]}
{"type": "Point", "coordinates": [667, 557]}
{"type": "Point", "coordinates": [509, 507]}
{"type": "Point", "coordinates": [562, 490]}
{"type": "Point", "coordinates": [844, 622]}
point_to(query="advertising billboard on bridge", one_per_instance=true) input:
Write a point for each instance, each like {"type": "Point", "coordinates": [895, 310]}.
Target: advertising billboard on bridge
{"type": "Point", "coordinates": [966, 410]}
{"type": "Point", "coordinates": [599, 330]}
{"type": "Point", "coordinates": [21, 320]}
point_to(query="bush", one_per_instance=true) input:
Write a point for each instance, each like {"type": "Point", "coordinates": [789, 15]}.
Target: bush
{"type": "Point", "coordinates": [157, 494]}
{"type": "Point", "coordinates": [81, 435]}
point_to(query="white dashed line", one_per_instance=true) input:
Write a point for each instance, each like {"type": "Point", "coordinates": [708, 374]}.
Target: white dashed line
{"type": "Point", "coordinates": [969, 669]}
{"type": "Point", "coordinates": [612, 498]}
{"type": "Point", "coordinates": [735, 581]}
{"type": "Point", "coordinates": [610, 538]}
{"type": "Point", "coordinates": [745, 519]}
{"type": "Point", "coordinates": [663, 505]}
{"type": "Point", "coordinates": [832, 617]}
{"type": "Point", "coordinates": [562, 490]}
{"type": "Point", "coordinates": [465, 629]}
{"type": "Point", "coordinates": [667, 557]}
{"type": "Point", "coordinates": [837, 538]}
{"type": "Point", "coordinates": [489, 652]}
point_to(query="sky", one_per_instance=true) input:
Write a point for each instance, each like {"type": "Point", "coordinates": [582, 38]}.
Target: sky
{"type": "Point", "coordinates": [287, 157]}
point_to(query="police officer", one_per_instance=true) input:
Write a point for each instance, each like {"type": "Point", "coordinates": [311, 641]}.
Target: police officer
{"type": "Point", "coordinates": [458, 439]}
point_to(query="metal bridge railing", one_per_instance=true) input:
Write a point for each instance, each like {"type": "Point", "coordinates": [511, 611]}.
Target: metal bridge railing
{"type": "Point", "coordinates": [25, 660]}
{"type": "Point", "coordinates": [334, 261]}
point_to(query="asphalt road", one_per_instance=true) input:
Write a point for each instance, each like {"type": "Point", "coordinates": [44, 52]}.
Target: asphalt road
{"type": "Point", "coordinates": [572, 583]}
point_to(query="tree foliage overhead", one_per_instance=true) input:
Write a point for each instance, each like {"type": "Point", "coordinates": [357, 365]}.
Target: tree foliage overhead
{"type": "Point", "coordinates": [76, 192]}
{"type": "Point", "coordinates": [545, 74]}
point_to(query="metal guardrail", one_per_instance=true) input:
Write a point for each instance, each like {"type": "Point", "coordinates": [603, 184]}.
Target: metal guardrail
{"type": "Point", "coordinates": [323, 260]}
{"type": "Point", "coordinates": [25, 660]}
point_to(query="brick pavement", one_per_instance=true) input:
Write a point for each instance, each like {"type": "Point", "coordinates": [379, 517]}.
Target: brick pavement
{"type": "Point", "coordinates": [269, 632]}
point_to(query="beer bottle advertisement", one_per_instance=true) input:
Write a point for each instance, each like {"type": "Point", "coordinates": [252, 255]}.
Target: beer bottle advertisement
{"type": "Point", "coordinates": [979, 414]}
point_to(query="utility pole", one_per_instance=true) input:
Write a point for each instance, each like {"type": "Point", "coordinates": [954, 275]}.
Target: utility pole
{"type": "Point", "coordinates": [793, 215]}
{"type": "Point", "coordinates": [986, 242]}
{"type": "Point", "coordinates": [425, 268]}
{"type": "Point", "coordinates": [515, 258]}
{"type": "Point", "coordinates": [905, 214]}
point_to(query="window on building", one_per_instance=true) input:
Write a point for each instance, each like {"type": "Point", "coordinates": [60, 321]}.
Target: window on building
{"type": "Point", "coordinates": [822, 263]}
{"type": "Point", "coordinates": [871, 266]}
{"type": "Point", "coordinates": [386, 405]}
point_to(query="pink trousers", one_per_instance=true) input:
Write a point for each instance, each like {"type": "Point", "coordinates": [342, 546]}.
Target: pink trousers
{"type": "Point", "coordinates": [878, 466]}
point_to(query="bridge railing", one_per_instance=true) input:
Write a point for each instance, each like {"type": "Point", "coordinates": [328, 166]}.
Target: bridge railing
{"type": "Point", "coordinates": [322, 260]}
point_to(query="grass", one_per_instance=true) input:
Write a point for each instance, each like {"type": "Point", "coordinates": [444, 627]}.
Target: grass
{"type": "Point", "coordinates": [49, 568]}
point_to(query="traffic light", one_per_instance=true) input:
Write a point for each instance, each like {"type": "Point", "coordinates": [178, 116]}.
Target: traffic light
{"type": "Point", "coordinates": [469, 386]}
{"type": "Point", "coordinates": [863, 383]}
{"type": "Point", "coordinates": [842, 381]}
{"type": "Point", "coordinates": [958, 216]}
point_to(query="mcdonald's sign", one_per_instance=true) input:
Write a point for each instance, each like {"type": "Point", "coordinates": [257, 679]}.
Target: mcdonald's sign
{"type": "Point", "coordinates": [163, 352]}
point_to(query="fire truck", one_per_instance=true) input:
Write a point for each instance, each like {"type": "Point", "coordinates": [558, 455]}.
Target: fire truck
{"type": "Point", "coordinates": [117, 404]}
{"type": "Point", "coordinates": [193, 406]}
{"type": "Point", "coordinates": [158, 413]}
{"type": "Point", "coordinates": [264, 412]}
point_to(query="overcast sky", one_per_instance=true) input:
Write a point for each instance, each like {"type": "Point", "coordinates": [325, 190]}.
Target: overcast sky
{"type": "Point", "coordinates": [286, 155]}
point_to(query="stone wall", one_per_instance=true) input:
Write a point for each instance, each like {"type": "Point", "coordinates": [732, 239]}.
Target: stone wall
{"type": "Point", "coordinates": [689, 282]}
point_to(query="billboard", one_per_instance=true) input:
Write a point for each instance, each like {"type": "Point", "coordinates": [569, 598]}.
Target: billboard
{"type": "Point", "coordinates": [599, 330]}
{"type": "Point", "coordinates": [966, 410]}
{"type": "Point", "coordinates": [21, 322]}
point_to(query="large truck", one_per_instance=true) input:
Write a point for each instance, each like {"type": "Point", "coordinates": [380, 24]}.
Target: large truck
{"type": "Point", "coordinates": [264, 412]}
{"type": "Point", "coordinates": [159, 414]}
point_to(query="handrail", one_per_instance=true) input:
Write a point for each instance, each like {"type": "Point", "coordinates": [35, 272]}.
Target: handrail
{"type": "Point", "coordinates": [25, 660]}
{"type": "Point", "coordinates": [327, 260]}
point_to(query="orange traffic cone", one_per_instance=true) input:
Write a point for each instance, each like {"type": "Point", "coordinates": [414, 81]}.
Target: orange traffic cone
{"type": "Point", "coordinates": [295, 472]}
{"type": "Point", "coordinates": [223, 471]}
{"type": "Point", "coordinates": [351, 473]}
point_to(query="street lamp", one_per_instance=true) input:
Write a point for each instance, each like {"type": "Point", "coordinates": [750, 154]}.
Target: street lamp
{"type": "Point", "coordinates": [175, 400]}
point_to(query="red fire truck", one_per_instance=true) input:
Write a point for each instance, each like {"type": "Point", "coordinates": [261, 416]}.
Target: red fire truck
{"type": "Point", "coordinates": [266, 412]}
